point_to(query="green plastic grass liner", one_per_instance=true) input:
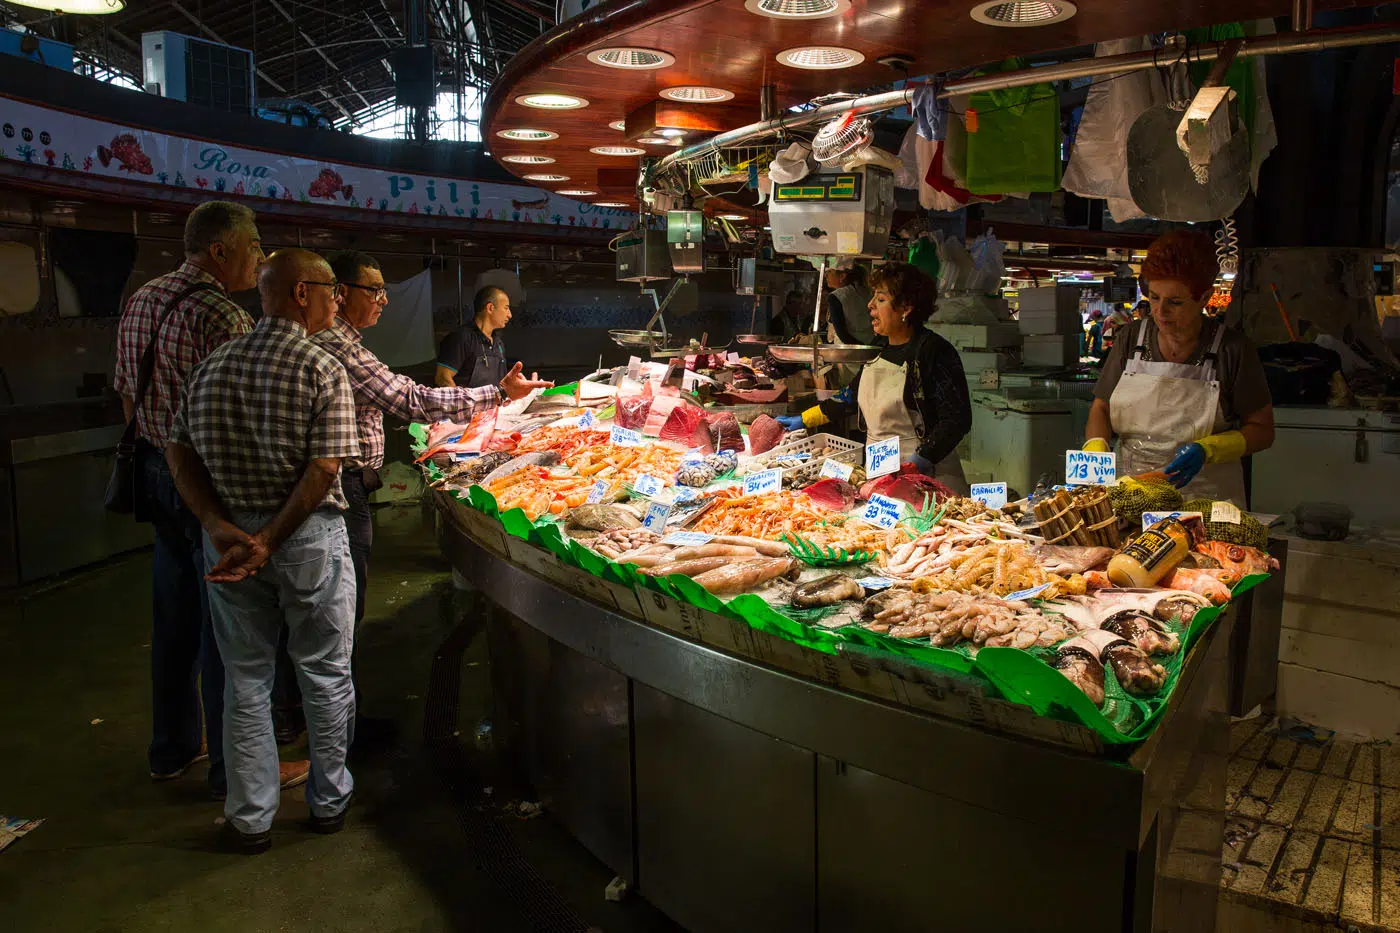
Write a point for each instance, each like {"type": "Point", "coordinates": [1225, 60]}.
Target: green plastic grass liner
{"type": "Point", "coordinates": [919, 651]}
{"type": "Point", "coordinates": [569, 389]}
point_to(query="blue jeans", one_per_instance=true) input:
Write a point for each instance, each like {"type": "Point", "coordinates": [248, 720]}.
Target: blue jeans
{"type": "Point", "coordinates": [182, 637]}
{"type": "Point", "coordinates": [308, 585]}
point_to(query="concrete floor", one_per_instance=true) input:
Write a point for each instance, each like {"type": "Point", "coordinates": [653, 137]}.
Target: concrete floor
{"type": "Point", "coordinates": [117, 852]}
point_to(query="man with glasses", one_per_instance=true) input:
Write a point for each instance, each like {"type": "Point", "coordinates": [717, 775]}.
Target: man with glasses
{"type": "Point", "coordinates": [256, 453]}
{"type": "Point", "coordinates": [179, 319]}
{"type": "Point", "coordinates": [379, 391]}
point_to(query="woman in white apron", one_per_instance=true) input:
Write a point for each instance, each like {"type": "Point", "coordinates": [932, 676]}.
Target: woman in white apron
{"type": "Point", "coordinates": [1185, 395]}
{"type": "Point", "coordinates": [915, 389]}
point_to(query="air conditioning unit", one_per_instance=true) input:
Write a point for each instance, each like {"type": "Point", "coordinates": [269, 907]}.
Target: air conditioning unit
{"type": "Point", "coordinates": [200, 72]}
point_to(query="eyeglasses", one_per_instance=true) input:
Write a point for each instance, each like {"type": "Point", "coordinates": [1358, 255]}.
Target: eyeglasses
{"type": "Point", "coordinates": [333, 285]}
{"type": "Point", "coordinates": [376, 291]}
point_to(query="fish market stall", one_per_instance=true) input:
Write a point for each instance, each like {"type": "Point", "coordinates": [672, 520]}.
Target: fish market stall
{"type": "Point", "coordinates": [807, 686]}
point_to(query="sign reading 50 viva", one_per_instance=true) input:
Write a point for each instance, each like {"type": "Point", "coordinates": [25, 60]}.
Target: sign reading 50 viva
{"type": "Point", "coordinates": [85, 145]}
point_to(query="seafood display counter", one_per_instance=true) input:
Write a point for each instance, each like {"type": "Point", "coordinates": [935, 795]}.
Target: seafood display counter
{"type": "Point", "coordinates": [740, 780]}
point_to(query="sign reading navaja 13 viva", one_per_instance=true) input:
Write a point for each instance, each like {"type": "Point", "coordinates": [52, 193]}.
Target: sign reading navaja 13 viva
{"type": "Point", "coordinates": [84, 145]}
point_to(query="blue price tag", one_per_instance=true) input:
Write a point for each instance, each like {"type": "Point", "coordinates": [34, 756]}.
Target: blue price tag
{"type": "Point", "coordinates": [687, 539]}
{"type": "Point", "coordinates": [1026, 594]}
{"type": "Point", "coordinates": [763, 481]}
{"type": "Point", "coordinates": [624, 437]}
{"type": "Point", "coordinates": [657, 513]}
{"type": "Point", "coordinates": [792, 458]}
{"type": "Point", "coordinates": [647, 485]}
{"type": "Point", "coordinates": [992, 495]}
{"type": "Point", "coordinates": [693, 455]}
{"type": "Point", "coordinates": [1151, 518]}
{"type": "Point", "coordinates": [876, 583]}
{"type": "Point", "coordinates": [684, 494]}
{"type": "Point", "coordinates": [837, 470]}
{"type": "Point", "coordinates": [1090, 468]}
{"type": "Point", "coordinates": [882, 512]}
{"type": "Point", "coordinates": [882, 457]}
{"type": "Point", "coordinates": [586, 420]}
{"type": "Point", "coordinates": [599, 490]}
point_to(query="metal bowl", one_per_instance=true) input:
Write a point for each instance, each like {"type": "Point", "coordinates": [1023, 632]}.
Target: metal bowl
{"type": "Point", "coordinates": [828, 352]}
{"type": "Point", "coordinates": [636, 338]}
{"type": "Point", "coordinates": [762, 340]}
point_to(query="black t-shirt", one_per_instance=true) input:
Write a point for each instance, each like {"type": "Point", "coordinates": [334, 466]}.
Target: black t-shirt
{"type": "Point", "coordinates": [474, 358]}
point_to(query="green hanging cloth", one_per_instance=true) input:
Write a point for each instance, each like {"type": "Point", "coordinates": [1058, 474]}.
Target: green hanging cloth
{"type": "Point", "coordinates": [1013, 137]}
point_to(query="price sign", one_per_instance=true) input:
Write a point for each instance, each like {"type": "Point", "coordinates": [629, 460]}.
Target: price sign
{"type": "Point", "coordinates": [792, 458]}
{"type": "Point", "coordinates": [1226, 512]}
{"type": "Point", "coordinates": [882, 512]}
{"type": "Point", "coordinates": [684, 494]}
{"type": "Point", "coordinates": [837, 469]}
{"type": "Point", "coordinates": [647, 485]}
{"type": "Point", "coordinates": [693, 455]}
{"type": "Point", "coordinates": [882, 457]}
{"type": "Point", "coordinates": [586, 420]}
{"type": "Point", "coordinates": [763, 481]}
{"type": "Point", "coordinates": [1090, 468]}
{"type": "Point", "coordinates": [657, 514]}
{"type": "Point", "coordinates": [1151, 518]}
{"type": "Point", "coordinates": [623, 437]}
{"type": "Point", "coordinates": [599, 490]}
{"type": "Point", "coordinates": [992, 495]}
{"type": "Point", "coordinates": [1025, 594]}
{"type": "Point", "coordinates": [687, 539]}
{"type": "Point", "coordinates": [634, 369]}
{"type": "Point", "coordinates": [876, 583]}
{"type": "Point", "coordinates": [731, 357]}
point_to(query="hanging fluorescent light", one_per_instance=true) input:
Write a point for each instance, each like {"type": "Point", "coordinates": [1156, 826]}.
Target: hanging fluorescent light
{"type": "Point", "coordinates": [576, 192]}
{"type": "Point", "coordinates": [697, 94]}
{"type": "Point", "coordinates": [821, 57]}
{"type": "Point", "coordinates": [797, 9]}
{"type": "Point", "coordinates": [527, 159]}
{"type": "Point", "coordinates": [611, 203]}
{"type": "Point", "coordinates": [90, 7]}
{"type": "Point", "coordinates": [633, 59]}
{"type": "Point", "coordinates": [617, 151]}
{"type": "Point", "coordinates": [551, 101]}
{"type": "Point", "coordinates": [545, 177]}
{"type": "Point", "coordinates": [525, 135]}
{"type": "Point", "coordinates": [1020, 14]}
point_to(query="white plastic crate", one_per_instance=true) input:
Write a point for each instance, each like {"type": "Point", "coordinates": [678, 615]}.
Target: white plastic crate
{"type": "Point", "coordinates": [822, 447]}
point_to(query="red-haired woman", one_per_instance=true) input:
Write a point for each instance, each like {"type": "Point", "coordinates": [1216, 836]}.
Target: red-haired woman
{"type": "Point", "coordinates": [1183, 393]}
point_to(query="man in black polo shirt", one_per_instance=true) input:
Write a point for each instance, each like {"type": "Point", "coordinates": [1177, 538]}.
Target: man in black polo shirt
{"type": "Point", "coordinates": [474, 355]}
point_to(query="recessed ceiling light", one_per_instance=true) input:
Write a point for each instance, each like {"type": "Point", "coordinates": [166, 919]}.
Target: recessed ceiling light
{"type": "Point", "coordinates": [527, 159]}
{"type": "Point", "coordinates": [74, 6]}
{"type": "Point", "coordinates": [611, 203]}
{"type": "Point", "coordinates": [527, 135]}
{"type": "Point", "coordinates": [821, 57]}
{"type": "Point", "coordinates": [1022, 13]}
{"type": "Point", "coordinates": [697, 94]}
{"type": "Point", "coordinates": [551, 101]}
{"type": "Point", "coordinates": [653, 140]}
{"type": "Point", "coordinates": [576, 192]}
{"type": "Point", "coordinates": [632, 58]}
{"type": "Point", "coordinates": [671, 133]}
{"type": "Point", "coordinates": [617, 151]}
{"type": "Point", "coordinates": [733, 217]}
{"type": "Point", "coordinates": [618, 125]}
{"type": "Point", "coordinates": [797, 9]}
{"type": "Point", "coordinates": [545, 177]}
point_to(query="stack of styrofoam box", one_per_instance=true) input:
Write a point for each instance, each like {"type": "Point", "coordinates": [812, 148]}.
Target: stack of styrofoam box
{"type": "Point", "coordinates": [986, 350]}
{"type": "Point", "coordinates": [1050, 325]}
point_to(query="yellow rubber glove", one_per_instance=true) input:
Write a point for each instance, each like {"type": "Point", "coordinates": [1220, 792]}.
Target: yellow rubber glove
{"type": "Point", "coordinates": [1224, 447]}
{"type": "Point", "coordinates": [813, 418]}
{"type": "Point", "coordinates": [1096, 445]}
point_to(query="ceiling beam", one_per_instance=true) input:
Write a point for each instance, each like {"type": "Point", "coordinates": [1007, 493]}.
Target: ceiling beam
{"type": "Point", "coordinates": [220, 39]}
{"type": "Point", "coordinates": [317, 49]}
{"type": "Point", "coordinates": [380, 33]}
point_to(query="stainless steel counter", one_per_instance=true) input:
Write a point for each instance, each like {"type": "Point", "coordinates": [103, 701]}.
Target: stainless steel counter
{"type": "Point", "coordinates": [742, 782]}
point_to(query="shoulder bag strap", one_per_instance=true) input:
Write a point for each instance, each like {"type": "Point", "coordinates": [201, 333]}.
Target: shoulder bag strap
{"type": "Point", "coordinates": [148, 358]}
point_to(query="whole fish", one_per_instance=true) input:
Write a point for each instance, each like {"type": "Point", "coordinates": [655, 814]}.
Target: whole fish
{"type": "Point", "coordinates": [600, 517]}
{"type": "Point", "coordinates": [826, 591]}
{"type": "Point", "coordinates": [539, 458]}
{"type": "Point", "coordinates": [744, 576]}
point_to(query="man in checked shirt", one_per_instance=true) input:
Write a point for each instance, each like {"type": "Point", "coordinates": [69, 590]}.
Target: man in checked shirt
{"type": "Point", "coordinates": [256, 451]}
{"type": "Point", "coordinates": [379, 392]}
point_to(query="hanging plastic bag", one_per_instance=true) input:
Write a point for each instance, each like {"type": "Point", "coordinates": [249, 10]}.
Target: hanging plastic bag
{"type": "Point", "coordinates": [947, 173]}
{"type": "Point", "coordinates": [1013, 138]}
{"type": "Point", "coordinates": [988, 268]}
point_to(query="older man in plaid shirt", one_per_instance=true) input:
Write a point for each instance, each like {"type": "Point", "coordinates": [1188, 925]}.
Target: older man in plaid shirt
{"type": "Point", "coordinates": [256, 452]}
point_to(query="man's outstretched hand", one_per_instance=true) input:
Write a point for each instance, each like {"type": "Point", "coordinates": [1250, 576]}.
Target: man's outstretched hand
{"type": "Point", "coordinates": [240, 554]}
{"type": "Point", "coordinates": [515, 385]}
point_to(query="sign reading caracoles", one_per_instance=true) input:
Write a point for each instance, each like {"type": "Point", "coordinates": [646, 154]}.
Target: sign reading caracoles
{"type": "Point", "coordinates": [81, 145]}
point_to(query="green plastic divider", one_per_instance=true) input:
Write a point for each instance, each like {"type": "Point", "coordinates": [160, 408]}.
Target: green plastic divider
{"type": "Point", "coordinates": [561, 390]}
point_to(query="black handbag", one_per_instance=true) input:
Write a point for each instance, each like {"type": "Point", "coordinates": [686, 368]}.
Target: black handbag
{"type": "Point", "coordinates": [122, 486]}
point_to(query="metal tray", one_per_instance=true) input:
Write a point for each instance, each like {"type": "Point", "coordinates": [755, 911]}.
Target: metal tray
{"type": "Point", "coordinates": [636, 338]}
{"type": "Point", "coordinates": [762, 340]}
{"type": "Point", "coordinates": [828, 352]}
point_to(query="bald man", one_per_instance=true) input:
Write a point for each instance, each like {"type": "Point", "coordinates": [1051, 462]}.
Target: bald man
{"type": "Point", "coordinates": [256, 452]}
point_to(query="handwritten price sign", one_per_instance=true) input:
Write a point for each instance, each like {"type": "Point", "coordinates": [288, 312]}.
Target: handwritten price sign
{"type": "Point", "coordinates": [882, 457]}
{"type": "Point", "coordinates": [882, 512]}
{"type": "Point", "coordinates": [687, 539]}
{"type": "Point", "coordinates": [647, 485]}
{"type": "Point", "coordinates": [837, 469]}
{"type": "Point", "coordinates": [992, 495]}
{"type": "Point", "coordinates": [1090, 468]}
{"type": "Point", "coordinates": [599, 490]}
{"type": "Point", "coordinates": [657, 514]}
{"type": "Point", "coordinates": [623, 437]}
{"type": "Point", "coordinates": [763, 481]}
{"type": "Point", "coordinates": [587, 420]}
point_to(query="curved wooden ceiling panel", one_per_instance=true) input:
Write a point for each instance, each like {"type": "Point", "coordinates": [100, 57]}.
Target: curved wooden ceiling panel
{"type": "Point", "coordinates": [719, 43]}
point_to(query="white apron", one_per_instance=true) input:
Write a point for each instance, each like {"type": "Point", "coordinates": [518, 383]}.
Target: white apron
{"type": "Point", "coordinates": [1157, 407]}
{"type": "Point", "coordinates": [882, 408]}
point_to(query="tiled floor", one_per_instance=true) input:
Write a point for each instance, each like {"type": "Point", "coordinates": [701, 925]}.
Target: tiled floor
{"type": "Point", "coordinates": [1313, 832]}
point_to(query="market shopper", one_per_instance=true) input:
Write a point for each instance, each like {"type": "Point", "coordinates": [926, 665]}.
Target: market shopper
{"type": "Point", "coordinates": [256, 452]}
{"type": "Point", "coordinates": [1184, 394]}
{"type": "Point", "coordinates": [474, 355]}
{"type": "Point", "coordinates": [378, 392]}
{"type": "Point", "coordinates": [915, 389]}
{"type": "Point", "coordinates": [180, 318]}
{"type": "Point", "coordinates": [848, 304]}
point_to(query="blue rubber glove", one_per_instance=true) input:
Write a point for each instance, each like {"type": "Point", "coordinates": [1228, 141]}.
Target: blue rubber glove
{"type": "Point", "coordinates": [922, 464]}
{"type": "Point", "coordinates": [790, 422]}
{"type": "Point", "coordinates": [1186, 464]}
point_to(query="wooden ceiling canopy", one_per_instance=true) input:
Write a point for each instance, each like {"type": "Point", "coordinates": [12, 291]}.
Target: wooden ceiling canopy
{"type": "Point", "coordinates": [720, 43]}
